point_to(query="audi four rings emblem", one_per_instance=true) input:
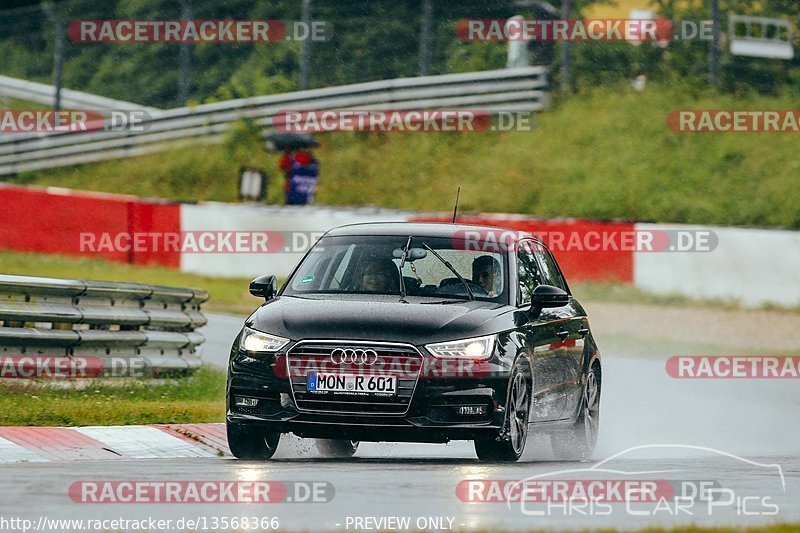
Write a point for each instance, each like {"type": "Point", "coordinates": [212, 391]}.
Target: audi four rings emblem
{"type": "Point", "coordinates": [354, 355]}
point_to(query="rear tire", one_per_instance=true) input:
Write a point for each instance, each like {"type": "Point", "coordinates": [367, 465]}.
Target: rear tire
{"type": "Point", "coordinates": [509, 448]}
{"type": "Point", "coordinates": [338, 448]}
{"type": "Point", "coordinates": [251, 442]}
{"type": "Point", "coordinates": [578, 442]}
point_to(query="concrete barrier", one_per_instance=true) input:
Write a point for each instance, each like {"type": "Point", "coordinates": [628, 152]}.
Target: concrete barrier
{"type": "Point", "coordinates": [751, 266]}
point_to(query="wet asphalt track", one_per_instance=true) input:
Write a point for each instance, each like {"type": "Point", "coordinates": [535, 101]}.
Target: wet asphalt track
{"type": "Point", "coordinates": [755, 420]}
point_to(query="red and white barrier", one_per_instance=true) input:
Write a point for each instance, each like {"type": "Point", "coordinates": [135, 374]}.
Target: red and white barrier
{"type": "Point", "coordinates": [52, 220]}
{"type": "Point", "coordinates": [579, 262]}
{"type": "Point", "coordinates": [753, 266]}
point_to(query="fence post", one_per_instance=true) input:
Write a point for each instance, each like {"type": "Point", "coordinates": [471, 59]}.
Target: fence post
{"type": "Point", "coordinates": [713, 75]}
{"type": "Point", "coordinates": [185, 58]}
{"type": "Point", "coordinates": [425, 38]}
{"type": "Point", "coordinates": [566, 82]}
{"type": "Point", "coordinates": [58, 51]}
{"type": "Point", "coordinates": [305, 47]}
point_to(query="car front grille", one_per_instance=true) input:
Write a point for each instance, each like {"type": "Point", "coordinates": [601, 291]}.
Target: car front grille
{"type": "Point", "coordinates": [402, 360]}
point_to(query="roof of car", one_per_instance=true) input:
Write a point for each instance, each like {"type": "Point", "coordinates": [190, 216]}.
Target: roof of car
{"type": "Point", "coordinates": [428, 229]}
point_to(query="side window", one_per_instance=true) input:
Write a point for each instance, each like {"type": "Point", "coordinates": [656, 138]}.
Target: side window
{"type": "Point", "coordinates": [550, 272]}
{"type": "Point", "coordinates": [527, 272]}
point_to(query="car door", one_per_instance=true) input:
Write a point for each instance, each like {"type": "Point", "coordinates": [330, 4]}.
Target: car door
{"type": "Point", "coordinates": [570, 328]}
{"type": "Point", "coordinates": [539, 335]}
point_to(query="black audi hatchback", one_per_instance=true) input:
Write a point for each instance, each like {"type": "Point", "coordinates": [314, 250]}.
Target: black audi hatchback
{"type": "Point", "coordinates": [416, 332]}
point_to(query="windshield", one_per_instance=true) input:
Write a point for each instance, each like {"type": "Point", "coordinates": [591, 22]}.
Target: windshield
{"type": "Point", "coordinates": [371, 265]}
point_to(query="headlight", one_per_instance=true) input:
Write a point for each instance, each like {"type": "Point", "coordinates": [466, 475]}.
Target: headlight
{"type": "Point", "coordinates": [475, 348]}
{"type": "Point", "coordinates": [257, 341]}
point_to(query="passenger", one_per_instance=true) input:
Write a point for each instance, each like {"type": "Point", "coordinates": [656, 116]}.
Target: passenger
{"type": "Point", "coordinates": [379, 275]}
{"type": "Point", "coordinates": [486, 273]}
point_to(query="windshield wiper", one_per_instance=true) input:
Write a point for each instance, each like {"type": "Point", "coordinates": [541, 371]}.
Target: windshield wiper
{"type": "Point", "coordinates": [400, 269]}
{"type": "Point", "coordinates": [453, 270]}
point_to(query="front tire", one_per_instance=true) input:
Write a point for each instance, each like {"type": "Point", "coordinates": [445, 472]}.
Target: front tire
{"type": "Point", "coordinates": [578, 442]}
{"type": "Point", "coordinates": [337, 448]}
{"type": "Point", "coordinates": [509, 448]}
{"type": "Point", "coordinates": [251, 442]}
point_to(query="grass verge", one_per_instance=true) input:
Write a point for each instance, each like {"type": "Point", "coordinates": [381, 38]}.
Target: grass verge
{"type": "Point", "coordinates": [22, 105]}
{"type": "Point", "coordinates": [614, 292]}
{"type": "Point", "coordinates": [612, 145]}
{"type": "Point", "coordinates": [199, 398]}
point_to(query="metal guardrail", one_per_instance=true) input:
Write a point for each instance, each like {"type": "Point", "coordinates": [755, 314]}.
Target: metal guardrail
{"type": "Point", "coordinates": [760, 37]}
{"type": "Point", "coordinates": [522, 89]}
{"type": "Point", "coordinates": [42, 93]}
{"type": "Point", "coordinates": [149, 328]}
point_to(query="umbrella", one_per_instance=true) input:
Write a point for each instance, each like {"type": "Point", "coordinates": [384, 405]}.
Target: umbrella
{"type": "Point", "coordinates": [282, 140]}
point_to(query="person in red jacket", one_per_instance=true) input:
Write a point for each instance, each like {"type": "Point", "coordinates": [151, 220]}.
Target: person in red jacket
{"type": "Point", "coordinates": [285, 165]}
{"type": "Point", "coordinates": [301, 170]}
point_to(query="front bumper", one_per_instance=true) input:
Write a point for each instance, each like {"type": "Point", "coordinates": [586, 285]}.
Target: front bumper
{"type": "Point", "coordinates": [444, 405]}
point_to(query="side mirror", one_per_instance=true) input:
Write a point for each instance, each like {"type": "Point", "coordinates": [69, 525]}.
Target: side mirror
{"type": "Point", "coordinates": [264, 287]}
{"type": "Point", "coordinates": [545, 296]}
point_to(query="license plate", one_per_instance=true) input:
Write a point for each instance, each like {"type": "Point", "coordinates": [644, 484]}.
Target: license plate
{"type": "Point", "coordinates": [351, 383]}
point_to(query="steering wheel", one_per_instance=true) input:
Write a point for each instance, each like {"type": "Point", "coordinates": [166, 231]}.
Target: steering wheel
{"type": "Point", "coordinates": [477, 290]}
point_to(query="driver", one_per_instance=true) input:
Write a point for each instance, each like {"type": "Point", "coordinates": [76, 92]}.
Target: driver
{"type": "Point", "coordinates": [379, 275]}
{"type": "Point", "coordinates": [486, 273]}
